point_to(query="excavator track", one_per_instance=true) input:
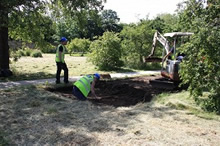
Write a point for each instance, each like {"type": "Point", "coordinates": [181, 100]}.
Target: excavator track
{"type": "Point", "coordinates": [163, 83]}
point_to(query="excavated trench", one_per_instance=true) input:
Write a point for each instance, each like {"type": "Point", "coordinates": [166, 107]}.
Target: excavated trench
{"type": "Point", "coordinates": [120, 92]}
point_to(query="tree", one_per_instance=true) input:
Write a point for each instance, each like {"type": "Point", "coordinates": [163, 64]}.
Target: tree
{"type": "Point", "coordinates": [158, 24]}
{"type": "Point", "coordinates": [170, 22]}
{"type": "Point", "coordinates": [67, 28]}
{"type": "Point", "coordinates": [201, 66]}
{"type": "Point", "coordinates": [136, 43]}
{"type": "Point", "coordinates": [110, 21]}
{"type": "Point", "coordinates": [6, 8]}
{"type": "Point", "coordinates": [4, 48]}
{"type": "Point", "coordinates": [33, 8]}
{"type": "Point", "coordinates": [93, 25]}
{"type": "Point", "coordinates": [33, 27]}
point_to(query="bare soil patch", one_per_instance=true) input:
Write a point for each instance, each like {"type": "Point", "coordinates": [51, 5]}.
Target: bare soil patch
{"type": "Point", "coordinates": [120, 92]}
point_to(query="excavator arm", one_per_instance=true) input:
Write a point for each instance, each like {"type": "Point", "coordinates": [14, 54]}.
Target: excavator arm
{"type": "Point", "coordinates": [163, 41]}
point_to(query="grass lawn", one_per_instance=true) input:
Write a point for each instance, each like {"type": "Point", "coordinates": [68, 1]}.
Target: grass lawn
{"type": "Point", "coordinates": [47, 65]}
{"type": "Point", "coordinates": [29, 68]}
{"type": "Point", "coordinates": [183, 101]}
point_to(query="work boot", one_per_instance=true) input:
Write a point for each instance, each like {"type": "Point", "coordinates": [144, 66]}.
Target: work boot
{"type": "Point", "coordinates": [66, 82]}
{"type": "Point", "coordinates": [57, 82]}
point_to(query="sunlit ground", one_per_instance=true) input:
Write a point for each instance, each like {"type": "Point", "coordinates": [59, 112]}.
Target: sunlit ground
{"type": "Point", "coordinates": [45, 67]}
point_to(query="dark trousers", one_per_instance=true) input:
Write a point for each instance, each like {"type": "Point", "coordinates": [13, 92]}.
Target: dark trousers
{"type": "Point", "coordinates": [76, 92]}
{"type": "Point", "coordinates": [61, 66]}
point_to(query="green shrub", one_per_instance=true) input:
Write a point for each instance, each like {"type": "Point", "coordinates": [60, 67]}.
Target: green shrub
{"type": "Point", "coordinates": [20, 53]}
{"type": "Point", "coordinates": [78, 45]}
{"type": "Point", "coordinates": [28, 51]}
{"type": "Point", "coordinates": [106, 52]}
{"type": "Point", "coordinates": [49, 49]}
{"type": "Point", "coordinates": [15, 57]}
{"type": "Point", "coordinates": [23, 52]}
{"type": "Point", "coordinates": [212, 103]}
{"type": "Point", "coordinates": [36, 53]}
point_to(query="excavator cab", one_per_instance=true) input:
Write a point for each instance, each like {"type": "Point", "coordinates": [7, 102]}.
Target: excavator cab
{"type": "Point", "coordinates": [170, 66]}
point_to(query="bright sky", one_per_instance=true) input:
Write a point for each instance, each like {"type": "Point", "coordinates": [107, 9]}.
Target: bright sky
{"type": "Point", "coordinates": [133, 10]}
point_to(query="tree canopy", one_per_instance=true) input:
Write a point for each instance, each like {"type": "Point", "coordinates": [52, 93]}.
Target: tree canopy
{"type": "Point", "coordinates": [201, 67]}
{"type": "Point", "coordinates": [27, 20]}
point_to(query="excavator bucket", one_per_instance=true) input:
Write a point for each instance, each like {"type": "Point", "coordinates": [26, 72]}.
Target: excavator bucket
{"type": "Point", "coordinates": [152, 59]}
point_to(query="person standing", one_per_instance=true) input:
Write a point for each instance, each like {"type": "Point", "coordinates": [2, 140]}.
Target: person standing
{"type": "Point", "coordinates": [60, 55]}
{"type": "Point", "coordinates": [83, 86]}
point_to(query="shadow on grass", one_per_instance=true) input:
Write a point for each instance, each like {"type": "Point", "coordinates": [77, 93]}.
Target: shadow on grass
{"type": "Point", "coordinates": [35, 117]}
{"type": "Point", "coordinates": [27, 76]}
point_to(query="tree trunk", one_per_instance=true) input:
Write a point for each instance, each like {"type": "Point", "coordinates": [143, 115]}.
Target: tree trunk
{"type": "Point", "coordinates": [4, 48]}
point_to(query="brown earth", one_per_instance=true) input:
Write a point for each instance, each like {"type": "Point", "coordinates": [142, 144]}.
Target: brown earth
{"type": "Point", "coordinates": [120, 92]}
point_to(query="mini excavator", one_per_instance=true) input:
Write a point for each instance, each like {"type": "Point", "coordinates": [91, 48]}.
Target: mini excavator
{"type": "Point", "coordinates": [170, 66]}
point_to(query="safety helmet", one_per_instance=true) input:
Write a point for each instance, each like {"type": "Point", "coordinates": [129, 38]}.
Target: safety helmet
{"type": "Point", "coordinates": [97, 75]}
{"type": "Point", "coordinates": [63, 39]}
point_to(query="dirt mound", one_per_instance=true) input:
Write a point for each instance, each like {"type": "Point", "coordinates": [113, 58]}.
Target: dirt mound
{"type": "Point", "coordinates": [120, 92]}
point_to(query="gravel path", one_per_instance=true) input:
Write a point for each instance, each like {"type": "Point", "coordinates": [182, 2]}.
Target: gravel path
{"type": "Point", "coordinates": [5, 85]}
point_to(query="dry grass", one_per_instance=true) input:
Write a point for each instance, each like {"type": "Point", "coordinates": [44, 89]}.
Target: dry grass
{"type": "Point", "coordinates": [37, 68]}
{"type": "Point", "coordinates": [32, 116]}
{"type": "Point", "coordinates": [29, 68]}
